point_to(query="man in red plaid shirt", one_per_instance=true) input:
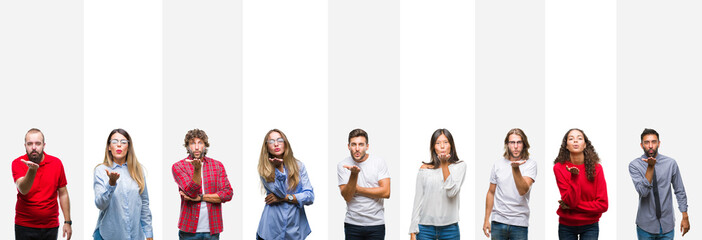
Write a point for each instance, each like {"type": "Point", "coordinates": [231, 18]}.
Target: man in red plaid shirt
{"type": "Point", "coordinates": [200, 211]}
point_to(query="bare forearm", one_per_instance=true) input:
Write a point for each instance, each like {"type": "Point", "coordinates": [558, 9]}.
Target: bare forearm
{"type": "Point", "coordinates": [489, 201]}
{"type": "Point", "coordinates": [197, 177]}
{"type": "Point", "coordinates": [65, 203]}
{"type": "Point", "coordinates": [213, 198]}
{"type": "Point", "coordinates": [376, 192]}
{"type": "Point", "coordinates": [350, 188]}
{"type": "Point", "coordinates": [24, 184]}
{"type": "Point", "coordinates": [519, 181]}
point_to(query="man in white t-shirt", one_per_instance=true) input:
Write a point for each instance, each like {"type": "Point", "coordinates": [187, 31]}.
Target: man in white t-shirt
{"type": "Point", "coordinates": [364, 182]}
{"type": "Point", "coordinates": [510, 183]}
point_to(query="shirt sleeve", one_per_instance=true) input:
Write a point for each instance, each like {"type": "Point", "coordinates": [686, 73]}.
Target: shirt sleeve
{"type": "Point", "coordinates": [277, 186]}
{"type": "Point", "coordinates": [680, 194]}
{"type": "Point", "coordinates": [226, 192]}
{"type": "Point", "coordinates": [146, 224]}
{"type": "Point", "coordinates": [643, 187]}
{"type": "Point", "coordinates": [102, 188]}
{"type": "Point", "coordinates": [184, 179]}
{"type": "Point", "coordinates": [306, 194]}
{"type": "Point", "coordinates": [19, 169]}
{"type": "Point", "coordinates": [342, 174]}
{"type": "Point", "coordinates": [383, 171]}
{"type": "Point", "coordinates": [567, 185]}
{"type": "Point", "coordinates": [454, 181]}
{"type": "Point", "coordinates": [62, 176]}
{"type": "Point", "coordinates": [493, 174]}
{"type": "Point", "coordinates": [418, 200]}
{"type": "Point", "coordinates": [530, 170]}
{"type": "Point", "coordinates": [600, 203]}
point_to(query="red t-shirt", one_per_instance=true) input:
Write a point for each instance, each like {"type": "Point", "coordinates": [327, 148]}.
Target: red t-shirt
{"type": "Point", "coordinates": [39, 207]}
{"type": "Point", "coordinates": [587, 199]}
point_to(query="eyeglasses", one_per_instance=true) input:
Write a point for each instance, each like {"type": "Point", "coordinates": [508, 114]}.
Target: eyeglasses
{"type": "Point", "coordinates": [273, 141]}
{"type": "Point", "coordinates": [515, 143]}
{"type": "Point", "coordinates": [115, 141]}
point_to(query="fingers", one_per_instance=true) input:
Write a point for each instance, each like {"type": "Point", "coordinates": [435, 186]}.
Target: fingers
{"type": "Point", "coordinates": [486, 230]}
{"type": "Point", "coordinates": [182, 194]}
{"type": "Point", "coordinates": [347, 167]}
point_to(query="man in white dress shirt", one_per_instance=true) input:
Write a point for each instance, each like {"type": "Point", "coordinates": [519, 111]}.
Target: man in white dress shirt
{"type": "Point", "coordinates": [510, 183]}
{"type": "Point", "coordinates": [364, 182]}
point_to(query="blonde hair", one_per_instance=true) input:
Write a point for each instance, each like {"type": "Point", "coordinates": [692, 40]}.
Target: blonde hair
{"type": "Point", "coordinates": [266, 169]}
{"type": "Point", "coordinates": [133, 166]}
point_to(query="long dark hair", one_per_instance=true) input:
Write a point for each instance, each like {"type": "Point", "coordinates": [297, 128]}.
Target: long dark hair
{"type": "Point", "coordinates": [591, 157]}
{"type": "Point", "coordinates": [435, 158]}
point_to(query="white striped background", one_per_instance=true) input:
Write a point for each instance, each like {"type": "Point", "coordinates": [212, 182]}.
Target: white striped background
{"type": "Point", "coordinates": [478, 68]}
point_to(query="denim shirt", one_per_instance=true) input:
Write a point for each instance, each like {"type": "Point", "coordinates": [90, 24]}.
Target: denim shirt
{"type": "Point", "coordinates": [124, 212]}
{"type": "Point", "coordinates": [286, 220]}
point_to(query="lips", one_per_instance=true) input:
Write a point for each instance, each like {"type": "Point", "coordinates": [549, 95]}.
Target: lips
{"type": "Point", "coordinates": [119, 151]}
{"type": "Point", "coordinates": [277, 149]}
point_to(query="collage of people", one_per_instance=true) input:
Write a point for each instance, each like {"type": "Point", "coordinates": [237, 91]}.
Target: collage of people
{"type": "Point", "coordinates": [122, 197]}
{"type": "Point", "coordinates": [363, 119]}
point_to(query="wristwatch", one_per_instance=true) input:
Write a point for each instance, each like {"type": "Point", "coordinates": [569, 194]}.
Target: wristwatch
{"type": "Point", "coordinates": [200, 195]}
{"type": "Point", "coordinates": [69, 222]}
{"type": "Point", "coordinates": [290, 197]}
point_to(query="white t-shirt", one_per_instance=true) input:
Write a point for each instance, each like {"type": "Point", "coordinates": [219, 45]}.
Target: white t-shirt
{"type": "Point", "coordinates": [203, 224]}
{"type": "Point", "coordinates": [361, 210]}
{"type": "Point", "coordinates": [509, 207]}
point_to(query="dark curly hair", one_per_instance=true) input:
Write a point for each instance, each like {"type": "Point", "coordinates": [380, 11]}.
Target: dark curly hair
{"type": "Point", "coordinates": [196, 133]}
{"type": "Point", "coordinates": [591, 157]}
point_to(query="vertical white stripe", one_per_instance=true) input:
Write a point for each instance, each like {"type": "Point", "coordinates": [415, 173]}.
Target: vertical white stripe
{"type": "Point", "coordinates": [581, 92]}
{"type": "Point", "coordinates": [437, 71]}
{"type": "Point", "coordinates": [285, 87]}
{"type": "Point", "coordinates": [123, 90]}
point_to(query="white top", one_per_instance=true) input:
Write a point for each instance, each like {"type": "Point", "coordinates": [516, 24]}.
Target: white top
{"type": "Point", "coordinates": [203, 224]}
{"type": "Point", "coordinates": [362, 210]}
{"type": "Point", "coordinates": [436, 202]}
{"type": "Point", "coordinates": [509, 207]}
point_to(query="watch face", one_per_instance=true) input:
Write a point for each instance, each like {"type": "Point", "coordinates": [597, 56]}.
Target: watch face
{"type": "Point", "coordinates": [290, 197]}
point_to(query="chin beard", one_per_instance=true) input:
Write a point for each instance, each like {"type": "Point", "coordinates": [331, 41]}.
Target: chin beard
{"type": "Point", "coordinates": [36, 159]}
{"type": "Point", "coordinates": [202, 154]}
{"type": "Point", "coordinates": [654, 154]}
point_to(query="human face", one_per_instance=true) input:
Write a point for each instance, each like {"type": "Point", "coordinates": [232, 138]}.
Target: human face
{"type": "Point", "coordinates": [576, 142]}
{"type": "Point", "coordinates": [442, 145]}
{"type": "Point", "coordinates": [119, 146]}
{"type": "Point", "coordinates": [358, 148]}
{"type": "Point", "coordinates": [515, 146]}
{"type": "Point", "coordinates": [34, 145]}
{"type": "Point", "coordinates": [277, 148]}
{"type": "Point", "coordinates": [650, 145]}
{"type": "Point", "coordinates": [197, 148]}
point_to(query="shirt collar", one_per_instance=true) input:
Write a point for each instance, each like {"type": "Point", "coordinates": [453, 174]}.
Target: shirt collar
{"type": "Point", "coordinates": [115, 165]}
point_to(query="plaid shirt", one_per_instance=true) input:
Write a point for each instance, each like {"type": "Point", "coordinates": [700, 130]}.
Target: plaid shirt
{"type": "Point", "coordinates": [215, 176]}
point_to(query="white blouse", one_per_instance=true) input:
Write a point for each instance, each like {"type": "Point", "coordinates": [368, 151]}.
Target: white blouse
{"type": "Point", "coordinates": [436, 201]}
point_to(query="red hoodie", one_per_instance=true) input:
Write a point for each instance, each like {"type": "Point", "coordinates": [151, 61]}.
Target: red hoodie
{"type": "Point", "coordinates": [587, 199]}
